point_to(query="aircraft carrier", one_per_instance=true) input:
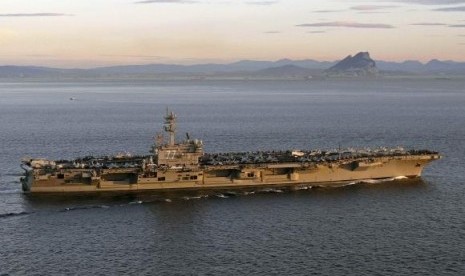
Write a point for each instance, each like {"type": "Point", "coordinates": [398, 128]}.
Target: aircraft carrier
{"type": "Point", "coordinates": [184, 166]}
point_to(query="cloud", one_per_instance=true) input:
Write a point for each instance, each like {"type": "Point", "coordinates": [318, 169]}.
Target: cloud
{"type": "Point", "coordinates": [39, 55]}
{"type": "Point", "coordinates": [272, 32]}
{"type": "Point", "coordinates": [451, 9]}
{"type": "Point", "coordinates": [429, 2]}
{"type": "Point", "coordinates": [166, 2]}
{"type": "Point", "coordinates": [344, 24]}
{"type": "Point", "coordinates": [259, 3]}
{"type": "Point", "coordinates": [262, 3]}
{"type": "Point", "coordinates": [372, 7]}
{"type": "Point", "coordinates": [428, 24]}
{"type": "Point", "coordinates": [372, 12]}
{"type": "Point", "coordinates": [328, 11]}
{"type": "Point", "coordinates": [457, 26]}
{"type": "Point", "coordinates": [316, 32]}
{"type": "Point", "coordinates": [134, 56]}
{"type": "Point", "coordinates": [40, 14]}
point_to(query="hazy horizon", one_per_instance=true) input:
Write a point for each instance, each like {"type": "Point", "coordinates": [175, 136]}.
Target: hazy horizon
{"type": "Point", "coordinates": [85, 34]}
{"type": "Point", "coordinates": [211, 62]}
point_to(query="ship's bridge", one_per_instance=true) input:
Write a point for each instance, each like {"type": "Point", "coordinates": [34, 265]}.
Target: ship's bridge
{"type": "Point", "coordinates": [184, 155]}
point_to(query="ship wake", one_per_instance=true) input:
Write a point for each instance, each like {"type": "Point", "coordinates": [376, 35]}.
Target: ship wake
{"type": "Point", "coordinates": [13, 214]}
{"type": "Point", "coordinates": [376, 181]}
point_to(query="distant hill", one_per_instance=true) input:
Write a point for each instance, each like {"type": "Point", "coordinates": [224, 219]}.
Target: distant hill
{"type": "Point", "coordinates": [289, 71]}
{"type": "Point", "coordinates": [445, 66]}
{"type": "Point", "coordinates": [432, 67]}
{"type": "Point", "coordinates": [236, 69]}
{"type": "Point", "coordinates": [405, 66]}
{"type": "Point", "coordinates": [359, 65]}
{"type": "Point", "coordinates": [239, 66]}
{"type": "Point", "coordinates": [9, 71]}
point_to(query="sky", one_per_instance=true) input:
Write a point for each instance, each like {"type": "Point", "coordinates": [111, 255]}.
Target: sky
{"type": "Point", "coordinates": [90, 33]}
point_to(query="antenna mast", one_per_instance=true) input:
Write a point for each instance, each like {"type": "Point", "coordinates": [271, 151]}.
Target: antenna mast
{"type": "Point", "coordinates": [170, 126]}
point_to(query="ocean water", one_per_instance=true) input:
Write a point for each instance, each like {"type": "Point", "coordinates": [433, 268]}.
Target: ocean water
{"type": "Point", "coordinates": [393, 228]}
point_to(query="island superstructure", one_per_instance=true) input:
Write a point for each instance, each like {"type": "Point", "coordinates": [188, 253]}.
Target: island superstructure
{"type": "Point", "coordinates": [175, 165]}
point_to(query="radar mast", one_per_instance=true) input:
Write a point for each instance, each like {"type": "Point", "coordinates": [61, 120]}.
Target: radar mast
{"type": "Point", "coordinates": [170, 126]}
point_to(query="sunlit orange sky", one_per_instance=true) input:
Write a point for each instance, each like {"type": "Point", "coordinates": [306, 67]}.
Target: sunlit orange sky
{"type": "Point", "coordinates": [89, 33]}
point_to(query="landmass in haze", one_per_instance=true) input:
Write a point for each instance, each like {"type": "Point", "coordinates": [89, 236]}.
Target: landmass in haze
{"type": "Point", "coordinates": [359, 65]}
{"type": "Point", "coordinates": [355, 66]}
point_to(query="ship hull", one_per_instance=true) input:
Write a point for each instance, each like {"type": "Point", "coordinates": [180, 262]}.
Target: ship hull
{"type": "Point", "coordinates": [243, 176]}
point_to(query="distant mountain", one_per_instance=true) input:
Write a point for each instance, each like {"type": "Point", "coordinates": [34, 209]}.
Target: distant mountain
{"type": "Point", "coordinates": [158, 70]}
{"type": "Point", "coordinates": [27, 71]}
{"type": "Point", "coordinates": [447, 66]}
{"type": "Point", "coordinates": [239, 66]}
{"type": "Point", "coordinates": [359, 65]}
{"type": "Point", "coordinates": [305, 63]}
{"type": "Point", "coordinates": [406, 66]}
{"type": "Point", "coordinates": [287, 71]}
{"type": "Point", "coordinates": [13, 71]}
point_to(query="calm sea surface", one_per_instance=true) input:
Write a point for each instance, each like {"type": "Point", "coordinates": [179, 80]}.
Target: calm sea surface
{"type": "Point", "coordinates": [395, 228]}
